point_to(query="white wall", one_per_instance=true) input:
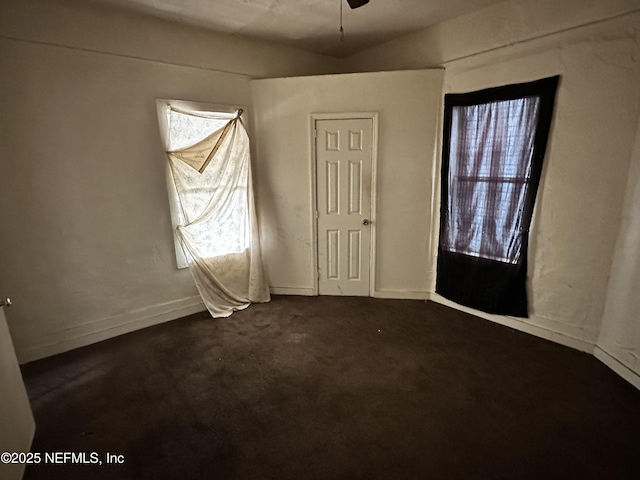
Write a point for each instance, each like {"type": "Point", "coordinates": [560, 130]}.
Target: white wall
{"type": "Point", "coordinates": [506, 24]}
{"type": "Point", "coordinates": [94, 27]}
{"type": "Point", "coordinates": [619, 341]}
{"type": "Point", "coordinates": [86, 247]}
{"type": "Point", "coordinates": [16, 417]}
{"type": "Point", "coordinates": [409, 107]}
{"type": "Point", "coordinates": [580, 199]}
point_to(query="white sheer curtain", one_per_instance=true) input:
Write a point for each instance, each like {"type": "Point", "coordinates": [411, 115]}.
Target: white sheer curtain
{"type": "Point", "coordinates": [491, 150]}
{"type": "Point", "coordinates": [210, 166]}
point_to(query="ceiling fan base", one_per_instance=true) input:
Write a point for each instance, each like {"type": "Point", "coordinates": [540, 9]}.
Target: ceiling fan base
{"type": "Point", "coordinates": [357, 3]}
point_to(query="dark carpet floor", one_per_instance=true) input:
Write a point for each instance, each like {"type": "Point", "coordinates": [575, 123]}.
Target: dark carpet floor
{"type": "Point", "coordinates": [334, 388]}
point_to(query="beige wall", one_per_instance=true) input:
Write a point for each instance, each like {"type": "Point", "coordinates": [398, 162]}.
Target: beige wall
{"type": "Point", "coordinates": [580, 203]}
{"type": "Point", "coordinates": [92, 27]}
{"type": "Point", "coordinates": [86, 244]}
{"type": "Point", "coordinates": [408, 104]}
{"type": "Point", "coordinates": [619, 341]}
{"type": "Point", "coordinates": [16, 417]}
{"type": "Point", "coordinates": [506, 24]}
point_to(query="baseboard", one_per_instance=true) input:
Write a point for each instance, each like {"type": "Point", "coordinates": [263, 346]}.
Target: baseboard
{"type": "Point", "coordinates": [401, 294]}
{"type": "Point", "coordinates": [521, 325]}
{"type": "Point", "coordinates": [305, 291]}
{"type": "Point", "coordinates": [96, 331]}
{"type": "Point", "coordinates": [398, 294]}
{"type": "Point", "coordinates": [614, 364]}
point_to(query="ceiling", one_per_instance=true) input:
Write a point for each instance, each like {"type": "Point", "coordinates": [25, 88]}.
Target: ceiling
{"type": "Point", "coordinates": [312, 25]}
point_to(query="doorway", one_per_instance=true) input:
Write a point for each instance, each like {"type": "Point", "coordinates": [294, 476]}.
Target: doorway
{"type": "Point", "coordinates": [344, 153]}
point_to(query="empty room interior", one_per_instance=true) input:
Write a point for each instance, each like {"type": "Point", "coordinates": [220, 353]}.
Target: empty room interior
{"type": "Point", "coordinates": [270, 239]}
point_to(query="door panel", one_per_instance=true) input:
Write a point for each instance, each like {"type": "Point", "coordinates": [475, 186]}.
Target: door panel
{"type": "Point", "coordinates": [343, 172]}
{"type": "Point", "coordinates": [16, 420]}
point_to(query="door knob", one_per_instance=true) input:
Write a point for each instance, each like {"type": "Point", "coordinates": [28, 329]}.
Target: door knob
{"type": "Point", "coordinates": [5, 302]}
{"type": "Point", "coordinates": [365, 221]}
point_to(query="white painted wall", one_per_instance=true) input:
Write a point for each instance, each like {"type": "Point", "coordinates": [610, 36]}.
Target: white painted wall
{"type": "Point", "coordinates": [619, 341]}
{"type": "Point", "coordinates": [16, 417]}
{"type": "Point", "coordinates": [408, 104]}
{"type": "Point", "coordinates": [506, 24]}
{"type": "Point", "coordinates": [101, 28]}
{"type": "Point", "coordinates": [581, 195]}
{"type": "Point", "coordinates": [86, 247]}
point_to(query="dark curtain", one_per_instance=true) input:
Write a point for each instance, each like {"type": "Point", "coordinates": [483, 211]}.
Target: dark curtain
{"type": "Point", "coordinates": [493, 149]}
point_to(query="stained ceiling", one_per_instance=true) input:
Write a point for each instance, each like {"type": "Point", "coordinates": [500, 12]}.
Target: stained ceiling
{"type": "Point", "coordinates": [312, 25]}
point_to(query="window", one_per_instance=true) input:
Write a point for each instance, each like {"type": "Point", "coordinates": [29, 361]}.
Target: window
{"type": "Point", "coordinates": [489, 171]}
{"type": "Point", "coordinates": [494, 144]}
{"type": "Point", "coordinates": [228, 231]}
{"type": "Point", "coordinates": [184, 124]}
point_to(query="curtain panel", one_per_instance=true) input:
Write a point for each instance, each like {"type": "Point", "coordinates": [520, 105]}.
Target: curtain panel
{"type": "Point", "coordinates": [218, 228]}
{"type": "Point", "coordinates": [494, 142]}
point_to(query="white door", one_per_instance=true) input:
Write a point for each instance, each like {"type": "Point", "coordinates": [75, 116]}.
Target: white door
{"type": "Point", "coordinates": [344, 151]}
{"type": "Point", "coordinates": [16, 420]}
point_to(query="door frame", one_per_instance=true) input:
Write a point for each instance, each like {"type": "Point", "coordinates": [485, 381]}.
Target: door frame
{"type": "Point", "coordinates": [313, 118]}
